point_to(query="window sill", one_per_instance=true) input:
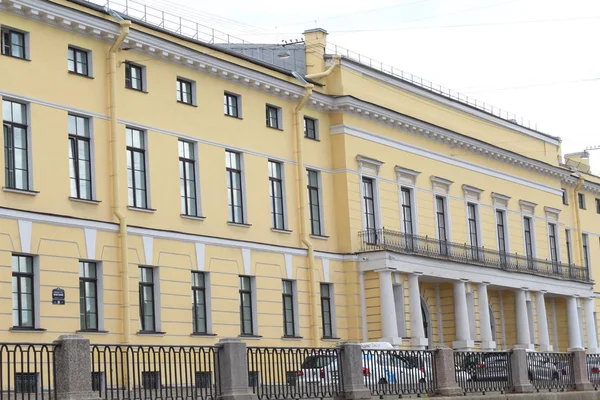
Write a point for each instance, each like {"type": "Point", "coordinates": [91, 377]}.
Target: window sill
{"type": "Point", "coordinates": [197, 218]}
{"type": "Point", "coordinates": [92, 332]}
{"type": "Point", "coordinates": [20, 191]}
{"type": "Point", "coordinates": [292, 338]}
{"type": "Point", "coordinates": [286, 231]}
{"type": "Point", "coordinates": [142, 333]}
{"type": "Point", "coordinates": [26, 330]}
{"type": "Point", "coordinates": [187, 104]}
{"type": "Point", "coordinates": [203, 334]}
{"type": "Point", "coordinates": [274, 127]}
{"type": "Point", "coordinates": [320, 237]}
{"type": "Point", "coordinates": [250, 337]}
{"type": "Point", "coordinates": [146, 210]}
{"type": "Point", "coordinates": [233, 116]}
{"type": "Point", "coordinates": [313, 139]}
{"type": "Point", "coordinates": [241, 225]}
{"type": "Point", "coordinates": [330, 339]}
{"type": "Point", "coordinates": [137, 90]}
{"type": "Point", "coordinates": [84, 200]}
{"type": "Point", "coordinates": [81, 75]}
{"type": "Point", "coordinates": [18, 58]}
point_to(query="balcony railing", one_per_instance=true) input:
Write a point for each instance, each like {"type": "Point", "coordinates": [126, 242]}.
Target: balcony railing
{"type": "Point", "coordinates": [386, 239]}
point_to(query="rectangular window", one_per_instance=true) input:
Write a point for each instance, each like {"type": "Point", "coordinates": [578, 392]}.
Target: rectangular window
{"type": "Point", "coordinates": [441, 224]}
{"type": "Point", "coordinates": [80, 158]}
{"type": "Point", "coordinates": [310, 128]}
{"type": "Point", "coordinates": [16, 157]}
{"type": "Point", "coordinates": [273, 117]}
{"type": "Point", "coordinates": [565, 196]}
{"type": "Point", "coordinates": [289, 323]}
{"type": "Point", "coordinates": [246, 317]}
{"type": "Point", "coordinates": [568, 239]}
{"type": "Point", "coordinates": [22, 291]}
{"type": "Point", "coordinates": [185, 92]}
{"type": "Point", "coordinates": [552, 243]}
{"type": "Point", "coordinates": [235, 195]}
{"type": "Point", "coordinates": [528, 237]}
{"type": "Point", "coordinates": [13, 43]}
{"type": "Point", "coordinates": [187, 178]}
{"type": "Point", "coordinates": [88, 296]}
{"type": "Point", "coordinates": [134, 76]}
{"type": "Point", "coordinates": [147, 301]}
{"type": "Point", "coordinates": [26, 382]}
{"type": "Point", "coordinates": [199, 302]}
{"type": "Point", "coordinates": [369, 209]}
{"type": "Point", "coordinates": [136, 168]}
{"type": "Point", "coordinates": [598, 206]}
{"type": "Point", "coordinates": [276, 193]}
{"type": "Point", "coordinates": [407, 216]}
{"type": "Point", "coordinates": [231, 105]}
{"type": "Point", "coordinates": [586, 250]}
{"type": "Point", "coordinates": [326, 310]}
{"type": "Point", "coordinates": [314, 202]}
{"type": "Point", "coordinates": [77, 61]}
{"type": "Point", "coordinates": [501, 232]}
{"type": "Point", "coordinates": [581, 200]}
{"type": "Point", "coordinates": [473, 230]}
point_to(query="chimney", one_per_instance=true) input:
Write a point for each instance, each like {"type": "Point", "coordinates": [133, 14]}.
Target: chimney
{"type": "Point", "coordinates": [315, 43]}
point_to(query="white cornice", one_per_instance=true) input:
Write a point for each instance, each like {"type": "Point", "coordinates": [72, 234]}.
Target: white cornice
{"type": "Point", "coordinates": [368, 162]}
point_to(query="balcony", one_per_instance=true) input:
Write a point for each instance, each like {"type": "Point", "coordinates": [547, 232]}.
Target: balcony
{"type": "Point", "coordinates": [398, 242]}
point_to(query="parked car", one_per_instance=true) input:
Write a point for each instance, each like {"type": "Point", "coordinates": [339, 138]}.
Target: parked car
{"type": "Point", "coordinates": [545, 369]}
{"type": "Point", "coordinates": [319, 368]}
{"type": "Point", "coordinates": [486, 367]}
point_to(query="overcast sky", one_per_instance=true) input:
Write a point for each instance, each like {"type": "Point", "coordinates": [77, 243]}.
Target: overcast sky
{"type": "Point", "coordinates": [539, 59]}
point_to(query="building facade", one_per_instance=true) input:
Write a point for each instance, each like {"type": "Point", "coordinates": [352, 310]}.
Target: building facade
{"type": "Point", "coordinates": [179, 192]}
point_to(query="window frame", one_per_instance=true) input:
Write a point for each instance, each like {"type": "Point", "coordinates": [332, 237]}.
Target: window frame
{"type": "Point", "coordinates": [199, 290]}
{"type": "Point", "coordinates": [132, 202]}
{"type": "Point", "coordinates": [251, 300]}
{"type": "Point", "coordinates": [315, 123]}
{"type": "Point", "coordinates": [326, 299]}
{"type": "Point", "coordinates": [473, 224]}
{"type": "Point", "coordinates": [231, 172]}
{"type": "Point", "coordinates": [129, 66]}
{"type": "Point", "coordinates": [74, 140]}
{"type": "Point", "coordinates": [585, 244]}
{"type": "Point", "coordinates": [528, 233]}
{"type": "Point", "coordinates": [183, 163]}
{"type": "Point", "coordinates": [276, 118]}
{"type": "Point", "coordinates": [275, 182]}
{"type": "Point", "coordinates": [597, 205]}
{"type": "Point", "coordinates": [10, 30]}
{"type": "Point", "coordinates": [441, 216]}
{"type": "Point", "coordinates": [367, 182]}
{"type": "Point", "coordinates": [33, 298]}
{"type": "Point", "coordinates": [141, 286]}
{"type": "Point", "coordinates": [553, 243]}
{"type": "Point", "coordinates": [569, 246]}
{"type": "Point", "coordinates": [181, 82]}
{"type": "Point", "coordinates": [565, 196]}
{"type": "Point", "coordinates": [581, 201]}
{"type": "Point", "coordinates": [228, 105]}
{"type": "Point", "coordinates": [410, 208]}
{"type": "Point", "coordinates": [92, 280]}
{"type": "Point", "coordinates": [314, 193]}
{"type": "Point", "coordinates": [78, 50]}
{"type": "Point", "coordinates": [291, 298]}
{"type": "Point", "coordinates": [501, 228]}
{"type": "Point", "coordinates": [8, 128]}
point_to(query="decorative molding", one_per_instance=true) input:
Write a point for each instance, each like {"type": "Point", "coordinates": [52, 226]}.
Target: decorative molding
{"type": "Point", "coordinates": [326, 275]}
{"type": "Point", "coordinates": [200, 251]}
{"type": "Point", "coordinates": [289, 271]}
{"type": "Point", "coordinates": [148, 243]}
{"type": "Point", "coordinates": [500, 200]}
{"type": "Point", "coordinates": [440, 185]}
{"type": "Point", "coordinates": [246, 259]}
{"type": "Point", "coordinates": [551, 213]}
{"type": "Point", "coordinates": [25, 228]}
{"type": "Point", "coordinates": [90, 242]}
{"type": "Point", "coordinates": [405, 175]}
{"type": "Point", "coordinates": [527, 207]}
{"type": "Point", "coordinates": [472, 192]}
{"type": "Point", "coordinates": [368, 164]}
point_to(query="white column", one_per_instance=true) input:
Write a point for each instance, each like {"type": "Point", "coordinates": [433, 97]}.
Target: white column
{"type": "Point", "coordinates": [590, 327]}
{"type": "Point", "coordinates": [573, 322]}
{"type": "Point", "coordinates": [542, 321]}
{"type": "Point", "coordinates": [523, 338]}
{"type": "Point", "coordinates": [389, 324]}
{"type": "Point", "coordinates": [485, 325]}
{"type": "Point", "coordinates": [461, 318]}
{"type": "Point", "coordinates": [417, 333]}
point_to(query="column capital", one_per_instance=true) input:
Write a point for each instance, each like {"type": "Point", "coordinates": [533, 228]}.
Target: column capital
{"type": "Point", "coordinates": [416, 273]}
{"type": "Point", "coordinates": [484, 283]}
{"type": "Point", "coordinates": [575, 296]}
{"type": "Point", "coordinates": [524, 288]}
{"type": "Point", "coordinates": [385, 269]}
{"type": "Point", "coordinates": [542, 291]}
{"type": "Point", "coordinates": [464, 280]}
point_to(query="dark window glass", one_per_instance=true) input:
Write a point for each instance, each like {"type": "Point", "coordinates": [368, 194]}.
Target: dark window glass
{"type": "Point", "coordinates": [586, 254]}
{"type": "Point", "coordinates": [80, 158]}
{"type": "Point", "coordinates": [369, 205]}
{"type": "Point", "coordinates": [276, 193]}
{"type": "Point", "coordinates": [184, 91]}
{"type": "Point", "coordinates": [501, 231]}
{"type": "Point", "coordinates": [528, 237]}
{"type": "Point", "coordinates": [187, 178]}
{"type": "Point", "coordinates": [473, 230]}
{"type": "Point", "coordinates": [22, 291]}
{"type": "Point", "coordinates": [199, 301]}
{"type": "Point", "coordinates": [272, 116]}
{"type": "Point", "coordinates": [230, 105]}
{"type": "Point", "coordinates": [26, 382]}
{"type": "Point", "coordinates": [407, 211]}
{"type": "Point", "coordinates": [16, 161]}
{"type": "Point", "coordinates": [146, 289]}
{"type": "Point", "coordinates": [78, 61]}
{"type": "Point", "coordinates": [326, 310]}
{"type": "Point", "coordinates": [568, 239]}
{"type": "Point", "coordinates": [134, 78]}
{"type": "Point", "coordinates": [598, 206]}
{"type": "Point", "coordinates": [314, 202]}
{"type": "Point", "coordinates": [235, 193]}
{"type": "Point", "coordinates": [246, 323]}
{"type": "Point", "coordinates": [552, 239]}
{"type": "Point", "coordinates": [310, 128]}
{"type": "Point", "coordinates": [289, 328]}
{"type": "Point", "coordinates": [581, 200]}
{"type": "Point", "coordinates": [441, 224]}
{"type": "Point", "coordinates": [13, 43]}
{"type": "Point", "coordinates": [151, 380]}
{"type": "Point", "coordinates": [565, 196]}
{"type": "Point", "coordinates": [88, 296]}
{"type": "Point", "coordinates": [136, 168]}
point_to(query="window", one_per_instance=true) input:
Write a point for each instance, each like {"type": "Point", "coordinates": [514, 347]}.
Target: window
{"type": "Point", "coordinates": [88, 296]}
{"type": "Point", "coordinates": [199, 302]}
{"type": "Point", "coordinates": [326, 310]}
{"type": "Point", "coordinates": [151, 379]}
{"type": "Point", "coordinates": [187, 178]}
{"type": "Point", "coordinates": [26, 382]}
{"type": "Point", "coordinates": [441, 224]}
{"type": "Point", "coordinates": [276, 193]}
{"type": "Point", "coordinates": [527, 226]}
{"type": "Point", "coordinates": [565, 196]}
{"type": "Point", "coordinates": [246, 306]}
{"type": "Point", "coordinates": [134, 76]}
{"type": "Point", "coordinates": [407, 216]}
{"type": "Point", "coordinates": [586, 254]}
{"type": "Point", "coordinates": [501, 229]}
{"type": "Point", "coordinates": [185, 91]}
{"type": "Point", "coordinates": [273, 116]}
{"type": "Point", "coordinates": [314, 202]}
{"type": "Point", "coordinates": [136, 168]}
{"type": "Point", "coordinates": [581, 200]}
{"type": "Point", "coordinates": [598, 206]}
{"type": "Point", "coordinates": [146, 290]}
{"type": "Point", "coordinates": [16, 158]}
{"type": "Point", "coordinates": [369, 204]}
{"type": "Point", "coordinates": [22, 292]}
{"type": "Point", "coordinates": [310, 128]}
{"type": "Point", "coordinates": [472, 218]}
{"type": "Point", "coordinates": [552, 243]}
{"type": "Point", "coordinates": [235, 193]}
{"type": "Point", "coordinates": [231, 106]}
{"type": "Point", "coordinates": [80, 159]}
{"type": "Point", "coordinates": [289, 323]}
{"type": "Point", "coordinates": [13, 43]}
{"type": "Point", "coordinates": [77, 61]}
{"type": "Point", "coordinates": [568, 239]}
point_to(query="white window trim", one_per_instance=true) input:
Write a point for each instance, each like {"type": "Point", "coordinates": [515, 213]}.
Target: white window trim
{"type": "Point", "coordinates": [376, 201]}
{"type": "Point", "coordinates": [477, 222]}
{"type": "Point", "coordinates": [207, 300]}
{"type": "Point", "coordinates": [332, 310]}
{"type": "Point", "coordinates": [587, 236]}
{"type": "Point", "coordinates": [447, 217]}
{"type": "Point", "coordinates": [90, 69]}
{"type": "Point", "coordinates": [317, 137]}
{"type": "Point", "coordinates": [413, 208]}
{"type": "Point", "coordinates": [157, 300]}
{"type": "Point", "coordinates": [26, 40]}
{"type": "Point", "coordinates": [254, 306]}
{"type": "Point", "coordinates": [295, 305]}
{"type": "Point", "coordinates": [321, 213]}
{"type": "Point", "coordinates": [283, 193]}
{"type": "Point", "coordinates": [37, 323]}
{"type": "Point", "coordinates": [506, 228]}
{"type": "Point", "coordinates": [147, 169]}
{"type": "Point", "coordinates": [556, 239]}
{"type": "Point", "coordinates": [279, 116]}
{"type": "Point", "coordinates": [144, 76]}
{"type": "Point", "coordinates": [92, 152]}
{"type": "Point", "coordinates": [245, 218]}
{"type": "Point", "coordinates": [533, 234]}
{"type": "Point", "coordinates": [29, 142]}
{"type": "Point", "coordinates": [197, 190]}
{"type": "Point", "coordinates": [99, 291]}
{"type": "Point", "coordinates": [193, 89]}
{"type": "Point", "coordinates": [239, 104]}
{"type": "Point", "coordinates": [569, 246]}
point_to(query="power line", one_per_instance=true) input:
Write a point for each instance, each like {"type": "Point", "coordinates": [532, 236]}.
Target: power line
{"type": "Point", "coordinates": [533, 86]}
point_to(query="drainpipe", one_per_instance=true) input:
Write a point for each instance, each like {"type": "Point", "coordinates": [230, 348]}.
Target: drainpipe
{"type": "Point", "coordinates": [577, 217]}
{"type": "Point", "coordinates": [116, 206]}
{"type": "Point", "coordinates": [336, 62]}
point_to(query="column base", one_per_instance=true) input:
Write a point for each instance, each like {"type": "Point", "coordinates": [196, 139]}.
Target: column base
{"type": "Point", "coordinates": [526, 346]}
{"type": "Point", "coordinates": [463, 345]}
{"type": "Point", "coordinates": [584, 386]}
{"type": "Point", "coordinates": [394, 341]}
{"type": "Point", "coordinates": [450, 391]}
{"type": "Point", "coordinates": [593, 350]}
{"type": "Point", "coordinates": [488, 346]}
{"type": "Point", "coordinates": [523, 388]}
{"type": "Point", "coordinates": [575, 349]}
{"type": "Point", "coordinates": [419, 343]}
{"type": "Point", "coordinates": [546, 348]}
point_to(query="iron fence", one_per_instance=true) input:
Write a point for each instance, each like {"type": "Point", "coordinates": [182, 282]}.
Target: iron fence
{"type": "Point", "coordinates": [483, 372]}
{"type": "Point", "coordinates": [551, 371]}
{"type": "Point", "coordinates": [396, 372]}
{"type": "Point", "coordinates": [386, 239]}
{"type": "Point", "coordinates": [294, 372]}
{"type": "Point", "coordinates": [593, 369]}
{"type": "Point", "coordinates": [27, 371]}
{"type": "Point", "coordinates": [158, 372]}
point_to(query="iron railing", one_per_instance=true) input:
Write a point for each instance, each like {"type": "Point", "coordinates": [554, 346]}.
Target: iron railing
{"type": "Point", "coordinates": [27, 371]}
{"type": "Point", "coordinates": [483, 372]}
{"type": "Point", "coordinates": [395, 372]}
{"type": "Point", "coordinates": [155, 372]}
{"type": "Point", "coordinates": [593, 369]}
{"type": "Point", "coordinates": [551, 371]}
{"type": "Point", "coordinates": [294, 372]}
{"type": "Point", "coordinates": [386, 239]}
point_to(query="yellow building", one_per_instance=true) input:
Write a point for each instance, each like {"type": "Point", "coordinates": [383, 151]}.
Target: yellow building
{"type": "Point", "coordinates": [191, 191]}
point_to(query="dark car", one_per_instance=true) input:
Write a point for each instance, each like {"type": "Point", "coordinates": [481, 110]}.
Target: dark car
{"type": "Point", "coordinates": [487, 367]}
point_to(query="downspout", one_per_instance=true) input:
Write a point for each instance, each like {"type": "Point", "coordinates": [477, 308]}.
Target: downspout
{"type": "Point", "coordinates": [318, 75]}
{"type": "Point", "coordinates": [116, 206]}
{"type": "Point", "coordinates": [577, 216]}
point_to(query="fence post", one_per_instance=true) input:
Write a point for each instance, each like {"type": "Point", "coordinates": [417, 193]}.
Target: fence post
{"type": "Point", "coordinates": [352, 373]}
{"type": "Point", "coordinates": [445, 373]}
{"type": "Point", "coordinates": [72, 368]}
{"type": "Point", "coordinates": [519, 371]}
{"type": "Point", "coordinates": [580, 371]}
{"type": "Point", "coordinates": [232, 373]}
